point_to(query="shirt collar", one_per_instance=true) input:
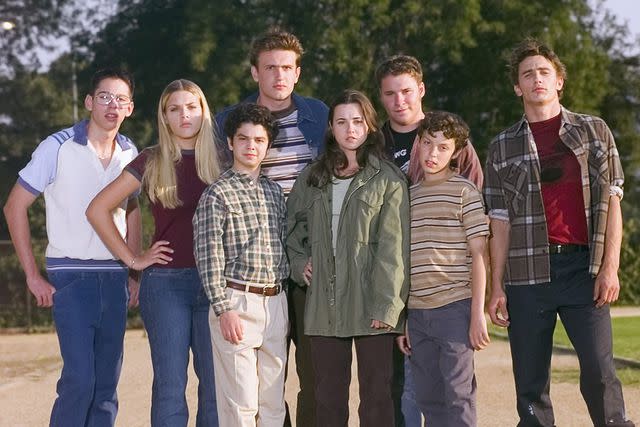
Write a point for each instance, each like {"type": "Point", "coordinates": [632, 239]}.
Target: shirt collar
{"type": "Point", "coordinates": [81, 130]}
{"type": "Point", "coordinates": [568, 120]}
{"type": "Point", "coordinates": [244, 178]}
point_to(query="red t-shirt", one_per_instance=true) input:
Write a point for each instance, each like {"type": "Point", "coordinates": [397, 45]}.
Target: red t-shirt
{"type": "Point", "coordinates": [561, 183]}
{"type": "Point", "coordinates": [174, 225]}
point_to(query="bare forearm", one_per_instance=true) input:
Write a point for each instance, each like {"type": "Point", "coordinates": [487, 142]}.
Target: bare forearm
{"type": "Point", "coordinates": [134, 227]}
{"type": "Point", "coordinates": [499, 249]}
{"type": "Point", "coordinates": [478, 284]}
{"type": "Point", "coordinates": [16, 214]}
{"type": "Point", "coordinates": [102, 221]}
{"type": "Point", "coordinates": [100, 217]}
{"type": "Point", "coordinates": [18, 223]}
{"type": "Point", "coordinates": [613, 236]}
{"type": "Point", "coordinates": [477, 247]}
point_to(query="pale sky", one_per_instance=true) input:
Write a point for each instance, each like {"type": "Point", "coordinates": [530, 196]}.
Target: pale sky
{"type": "Point", "coordinates": [627, 11]}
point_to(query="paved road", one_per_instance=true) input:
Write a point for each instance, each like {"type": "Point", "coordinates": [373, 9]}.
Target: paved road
{"type": "Point", "coordinates": [29, 366]}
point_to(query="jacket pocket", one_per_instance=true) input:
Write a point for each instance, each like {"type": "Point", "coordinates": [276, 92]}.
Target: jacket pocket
{"type": "Point", "coordinates": [365, 223]}
{"type": "Point", "coordinates": [312, 213]}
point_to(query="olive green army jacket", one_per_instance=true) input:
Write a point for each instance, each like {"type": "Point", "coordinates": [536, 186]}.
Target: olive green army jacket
{"type": "Point", "coordinates": [369, 276]}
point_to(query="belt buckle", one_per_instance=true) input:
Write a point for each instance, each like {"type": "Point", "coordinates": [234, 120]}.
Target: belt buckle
{"type": "Point", "coordinates": [557, 249]}
{"type": "Point", "coordinates": [265, 288]}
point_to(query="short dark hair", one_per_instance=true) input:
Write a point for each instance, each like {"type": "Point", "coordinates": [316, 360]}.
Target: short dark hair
{"type": "Point", "coordinates": [397, 65]}
{"type": "Point", "coordinates": [451, 125]}
{"type": "Point", "coordinates": [251, 113]}
{"type": "Point", "coordinates": [533, 47]}
{"type": "Point", "coordinates": [275, 39]}
{"type": "Point", "coordinates": [112, 73]}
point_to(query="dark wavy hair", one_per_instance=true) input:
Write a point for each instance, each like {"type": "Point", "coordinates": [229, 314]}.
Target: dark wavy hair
{"type": "Point", "coordinates": [533, 47]}
{"type": "Point", "coordinates": [251, 113]}
{"type": "Point", "coordinates": [323, 169]}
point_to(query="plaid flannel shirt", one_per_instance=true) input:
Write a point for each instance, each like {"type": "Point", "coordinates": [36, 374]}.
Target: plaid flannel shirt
{"type": "Point", "coordinates": [512, 191]}
{"type": "Point", "coordinates": [239, 233]}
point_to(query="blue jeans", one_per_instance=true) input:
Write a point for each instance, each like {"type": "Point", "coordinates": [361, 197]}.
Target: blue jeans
{"type": "Point", "coordinates": [175, 312]}
{"type": "Point", "coordinates": [90, 314]}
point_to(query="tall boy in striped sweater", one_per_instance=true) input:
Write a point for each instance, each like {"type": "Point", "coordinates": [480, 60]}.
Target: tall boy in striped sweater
{"type": "Point", "coordinates": [446, 302]}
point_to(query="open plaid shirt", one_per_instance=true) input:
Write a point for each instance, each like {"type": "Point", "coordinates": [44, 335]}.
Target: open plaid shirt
{"type": "Point", "coordinates": [512, 191]}
{"type": "Point", "coordinates": [239, 233]}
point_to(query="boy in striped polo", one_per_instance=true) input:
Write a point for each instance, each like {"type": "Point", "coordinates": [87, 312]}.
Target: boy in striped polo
{"type": "Point", "coordinates": [446, 302]}
{"type": "Point", "coordinates": [87, 286]}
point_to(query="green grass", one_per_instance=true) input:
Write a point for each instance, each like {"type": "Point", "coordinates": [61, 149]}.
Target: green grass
{"type": "Point", "coordinates": [626, 336]}
{"type": "Point", "coordinates": [627, 376]}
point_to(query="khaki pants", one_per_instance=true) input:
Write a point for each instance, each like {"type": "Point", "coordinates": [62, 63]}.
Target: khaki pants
{"type": "Point", "coordinates": [250, 375]}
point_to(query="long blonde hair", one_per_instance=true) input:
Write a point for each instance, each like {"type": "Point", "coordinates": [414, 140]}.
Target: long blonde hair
{"type": "Point", "coordinates": [159, 178]}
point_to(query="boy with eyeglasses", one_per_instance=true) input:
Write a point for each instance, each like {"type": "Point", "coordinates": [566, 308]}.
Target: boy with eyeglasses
{"type": "Point", "coordinates": [86, 286]}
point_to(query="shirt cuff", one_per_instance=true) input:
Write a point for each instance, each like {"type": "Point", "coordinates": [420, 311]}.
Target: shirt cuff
{"type": "Point", "coordinates": [499, 214]}
{"type": "Point", "coordinates": [615, 190]}
{"type": "Point", "coordinates": [221, 307]}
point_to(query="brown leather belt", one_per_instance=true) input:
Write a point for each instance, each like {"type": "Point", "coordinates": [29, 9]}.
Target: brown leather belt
{"type": "Point", "coordinates": [567, 249]}
{"type": "Point", "coordinates": [267, 291]}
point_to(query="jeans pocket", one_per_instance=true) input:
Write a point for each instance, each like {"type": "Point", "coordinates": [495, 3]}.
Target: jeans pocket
{"type": "Point", "coordinates": [64, 282]}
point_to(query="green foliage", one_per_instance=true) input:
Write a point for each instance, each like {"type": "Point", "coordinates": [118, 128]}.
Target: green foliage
{"type": "Point", "coordinates": [629, 273]}
{"type": "Point", "coordinates": [18, 309]}
{"type": "Point", "coordinates": [17, 45]}
{"type": "Point", "coordinates": [463, 46]}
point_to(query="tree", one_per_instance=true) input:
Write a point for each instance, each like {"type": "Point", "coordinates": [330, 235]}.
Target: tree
{"type": "Point", "coordinates": [35, 24]}
{"type": "Point", "coordinates": [462, 45]}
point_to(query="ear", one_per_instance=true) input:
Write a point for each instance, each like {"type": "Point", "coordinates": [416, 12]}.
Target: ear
{"type": "Point", "coordinates": [297, 75]}
{"type": "Point", "coordinates": [88, 102]}
{"type": "Point", "coordinates": [559, 83]}
{"type": "Point", "coordinates": [517, 90]}
{"type": "Point", "coordinates": [254, 73]}
{"type": "Point", "coordinates": [422, 89]}
{"type": "Point", "coordinates": [129, 110]}
{"type": "Point", "coordinates": [230, 143]}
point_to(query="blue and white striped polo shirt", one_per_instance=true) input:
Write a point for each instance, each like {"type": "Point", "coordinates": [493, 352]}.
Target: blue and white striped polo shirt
{"type": "Point", "coordinates": [289, 153]}
{"type": "Point", "coordinates": [67, 170]}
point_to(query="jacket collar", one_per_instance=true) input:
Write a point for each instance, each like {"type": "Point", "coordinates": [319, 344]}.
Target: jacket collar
{"type": "Point", "coordinates": [304, 111]}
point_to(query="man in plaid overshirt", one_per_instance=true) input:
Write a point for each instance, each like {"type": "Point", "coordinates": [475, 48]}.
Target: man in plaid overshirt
{"type": "Point", "coordinates": [553, 184]}
{"type": "Point", "coordinates": [239, 234]}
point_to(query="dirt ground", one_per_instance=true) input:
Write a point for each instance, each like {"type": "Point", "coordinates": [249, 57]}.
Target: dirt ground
{"type": "Point", "coordinates": [30, 364]}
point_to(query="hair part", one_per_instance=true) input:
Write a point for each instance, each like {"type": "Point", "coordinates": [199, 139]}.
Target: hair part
{"type": "Point", "coordinates": [334, 159]}
{"type": "Point", "coordinates": [275, 39]}
{"type": "Point", "coordinates": [254, 114]}
{"type": "Point", "coordinates": [112, 73]}
{"type": "Point", "coordinates": [397, 65]}
{"type": "Point", "coordinates": [533, 47]}
{"type": "Point", "coordinates": [159, 178]}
